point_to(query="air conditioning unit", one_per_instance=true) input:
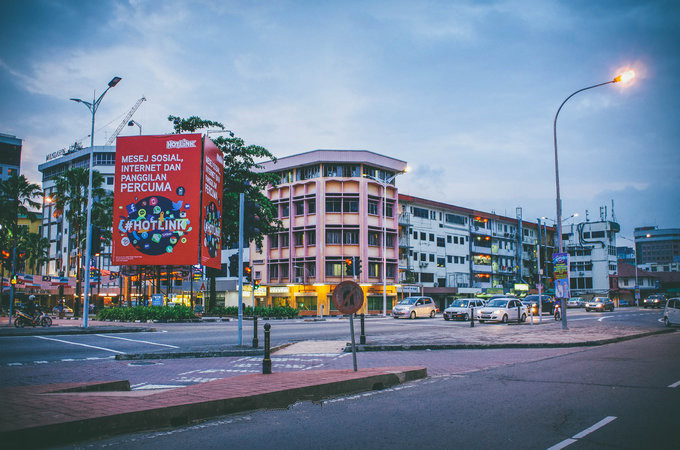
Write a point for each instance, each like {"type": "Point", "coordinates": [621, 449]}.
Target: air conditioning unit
{"type": "Point", "coordinates": [422, 264]}
{"type": "Point", "coordinates": [580, 274]}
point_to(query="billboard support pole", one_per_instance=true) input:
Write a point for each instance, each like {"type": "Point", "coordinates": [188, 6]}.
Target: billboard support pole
{"type": "Point", "coordinates": [241, 201]}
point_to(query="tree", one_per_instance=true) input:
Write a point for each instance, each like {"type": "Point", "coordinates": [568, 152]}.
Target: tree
{"type": "Point", "coordinates": [36, 248]}
{"type": "Point", "coordinates": [70, 199]}
{"type": "Point", "coordinates": [260, 217]}
{"type": "Point", "coordinates": [16, 200]}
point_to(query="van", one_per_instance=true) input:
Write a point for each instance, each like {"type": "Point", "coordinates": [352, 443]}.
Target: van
{"type": "Point", "coordinates": [671, 314]}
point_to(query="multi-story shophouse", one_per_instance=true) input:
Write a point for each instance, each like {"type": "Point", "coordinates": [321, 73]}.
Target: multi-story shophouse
{"type": "Point", "coordinates": [592, 256]}
{"type": "Point", "coordinates": [450, 250]}
{"type": "Point", "coordinates": [331, 206]}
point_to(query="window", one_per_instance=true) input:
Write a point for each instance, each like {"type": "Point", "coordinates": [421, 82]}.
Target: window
{"type": "Point", "coordinates": [415, 235]}
{"type": "Point", "coordinates": [311, 237]}
{"type": "Point", "coordinates": [423, 256]}
{"type": "Point", "coordinates": [274, 240]}
{"type": "Point", "coordinates": [373, 207]}
{"type": "Point", "coordinates": [431, 237]}
{"type": "Point", "coordinates": [449, 239]}
{"type": "Point", "coordinates": [333, 237]}
{"type": "Point", "coordinates": [373, 269]}
{"type": "Point", "coordinates": [284, 270]}
{"type": "Point", "coordinates": [423, 236]}
{"type": "Point", "coordinates": [306, 303]}
{"type": "Point", "coordinates": [441, 242]}
{"type": "Point", "coordinates": [285, 210]}
{"type": "Point", "coordinates": [299, 238]}
{"type": "Point", "coordinates": [351, 205]}
{"type": "Point", "coordinates": [273, 271]}
{"type": "Point", "coordinates": [351, 237]}
{"type": "Point", "coordinates": [440, 262]}
{"type": "Point", "coordinates": [389, 240]}
{"type": "Point", "coordinates": [420, 212]}
{"type": "Point", "coordinates": [449, 259]}
{"type": "Point", "coordinates": [305, 173]}
{"type": "Point", "coordinates": [311, 206]}
{"type": "Point", "coordinates": [333, 205]}
{"type": "Point", "coordinates": [431, 257]}
{"type": "Point", "coordinates": [433, 215]}
{"type": "Point", "coordinates": [373, 238]}
{"type": "Point", "coordinates": [427, 277]}
{"type": "Point", "coordinates": [299, 208]}
{"type": "Point", "coordinates": [284, 240]}
{"type": "Point", "coordinates": [452, 218]}
{"type": "Point", "coordinates": [389, 211]}
{"type": "Point", "coordinates": [109, 181]}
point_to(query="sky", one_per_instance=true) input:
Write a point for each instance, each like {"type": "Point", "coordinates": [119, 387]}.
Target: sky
{"type": "Point", "coordinates": [465, 92]}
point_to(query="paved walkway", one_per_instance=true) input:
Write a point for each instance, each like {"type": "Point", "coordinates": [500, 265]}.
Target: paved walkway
{"type": "Point", "coordinates": [59, 413]}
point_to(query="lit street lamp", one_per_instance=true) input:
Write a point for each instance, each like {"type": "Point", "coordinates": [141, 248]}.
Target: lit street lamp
{"type": "Point", "coordinates": [93, 106]}
{"type": "Point", "coordinates": [624, 77]}
{"type": "Point", "coordinates": [384, 184]}
{"type": "Point", "coordinates": [134, 122]}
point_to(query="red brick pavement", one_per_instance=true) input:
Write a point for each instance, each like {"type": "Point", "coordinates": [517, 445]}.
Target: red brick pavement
{"type": "Point", "coordinates": [57, 413]}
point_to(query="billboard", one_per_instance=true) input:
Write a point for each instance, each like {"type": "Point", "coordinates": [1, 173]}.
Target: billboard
{"type": "Point", "coordinates": [211, 206]}
{"type": "Point", "coordinates": [561, 272]}
{"type": "Point", "coordinates": [156, 206]}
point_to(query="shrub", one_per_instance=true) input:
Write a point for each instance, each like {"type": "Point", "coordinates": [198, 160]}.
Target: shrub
{"type": "Point", "coordinates": [260, 311]}
{"type": "Point", "coordinates": [144, 313]}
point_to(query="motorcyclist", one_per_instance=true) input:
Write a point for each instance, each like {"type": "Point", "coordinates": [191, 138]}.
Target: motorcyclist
{"type": "Point", "coordinates": [558, 312]}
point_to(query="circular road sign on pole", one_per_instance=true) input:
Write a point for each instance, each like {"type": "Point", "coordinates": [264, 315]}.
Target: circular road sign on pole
{"type": "Point", "coordinates": [348, 298]}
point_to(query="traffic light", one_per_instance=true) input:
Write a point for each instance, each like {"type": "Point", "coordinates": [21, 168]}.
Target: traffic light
{"type": "Point", "coordinates": [357, 265]}
{"type": "Point", "coordinates": [5, 254]}
{"type": "Point", "coordinates": [233, 265]}
{"type": "Point", "coordinates": [247, 272]}
{"type": "Point", "coordinates": [97, 238]}
{"type": "Point", "coordinates": [257, 284]}
{"type": "Point", "coordinates": [349, 269]}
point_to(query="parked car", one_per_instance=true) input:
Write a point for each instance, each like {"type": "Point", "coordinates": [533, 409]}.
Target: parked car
{"type": "Point", "coordinates": [413, 307]}
{"type": "Point", "coordinates": [502, 310]}
{"type": "Point", "coordinates": [671, 313]}
{"type": "Point", "coordinates": [600, 304]}
{"type": "Point", "coordinates": [576, 302]}
{"type": "Point", "coordinates": [461, 309]}
{"type": "Point", "coordinates": [654, 301]}
{"type": "Point", "coordinates": [547, 304]}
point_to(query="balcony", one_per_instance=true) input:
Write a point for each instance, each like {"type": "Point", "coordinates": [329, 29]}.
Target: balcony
{"type": "Point", "coordinates": [481, 268]}
{"type": "Point", "coordinates": [404, 219]}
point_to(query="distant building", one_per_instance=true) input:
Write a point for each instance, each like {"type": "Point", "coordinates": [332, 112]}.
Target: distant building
{"type": "Point", "coordinates": [654, 245]}
{"type": "Point", "coordinates": [10, 156]}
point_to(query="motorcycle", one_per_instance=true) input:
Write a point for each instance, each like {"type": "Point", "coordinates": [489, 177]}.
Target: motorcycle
{"type": "Point", "coordinates": [24, 319]}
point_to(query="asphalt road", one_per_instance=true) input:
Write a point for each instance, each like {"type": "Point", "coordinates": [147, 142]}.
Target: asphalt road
{"type": "Point", "coordinates": [22, 350]}
{"type": "Point", "coordinates": [622, 395]}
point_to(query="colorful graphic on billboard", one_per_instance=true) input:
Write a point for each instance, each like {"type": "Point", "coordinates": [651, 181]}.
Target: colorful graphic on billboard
{"type": "Point", "coordinates": [211, 206]}
{"type": "Point", "coordinates": [561, 271]}
{"type": "Point", "coordinates": [157, 200]}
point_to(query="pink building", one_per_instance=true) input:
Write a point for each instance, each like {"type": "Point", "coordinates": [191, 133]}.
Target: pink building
{"type": "Point", "coordinates": [331, 206]}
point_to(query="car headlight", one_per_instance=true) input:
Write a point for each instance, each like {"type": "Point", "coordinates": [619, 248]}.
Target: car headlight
{"type": "Point", "coordinates": [498, 311]}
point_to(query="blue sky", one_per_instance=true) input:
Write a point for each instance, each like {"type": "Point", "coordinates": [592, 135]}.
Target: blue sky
{"type": "Point", "coordinates": [465, 92]}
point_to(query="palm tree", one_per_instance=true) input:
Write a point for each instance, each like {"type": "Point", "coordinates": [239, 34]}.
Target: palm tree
{"type": "Point", "coordinates": [70, 199]}
{"type": "Point", "coordinates": [16, 199]}
{"type": "Point", "coordinates": [37, 248]}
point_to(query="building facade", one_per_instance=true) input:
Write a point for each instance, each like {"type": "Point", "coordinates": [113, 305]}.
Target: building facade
{"type": "Point", "coordinates": [10, 156]}
{"type": "Point", "coordinates": [334, 205]}
{"type": "Point", "coordinates": [654, 245]}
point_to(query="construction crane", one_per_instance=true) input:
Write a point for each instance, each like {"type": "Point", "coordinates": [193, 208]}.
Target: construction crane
{"type": "Point", "coordinates": [125, 121]}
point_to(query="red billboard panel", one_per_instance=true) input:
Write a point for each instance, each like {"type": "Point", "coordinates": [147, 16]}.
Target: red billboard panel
{"type": "Point", "coordinates": [156, 205]}
{"type": "Point", "coordinates": [211, 206]}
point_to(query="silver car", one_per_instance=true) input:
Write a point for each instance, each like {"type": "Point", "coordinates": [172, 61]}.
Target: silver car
{"type": "Point", "coordinates": [502, 310]}
{"type": "Point", "coordinates": [413, 307]}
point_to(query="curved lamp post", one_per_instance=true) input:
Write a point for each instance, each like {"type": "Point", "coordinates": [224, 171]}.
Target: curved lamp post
{"type": "Point", "coordinates": [93, 106]}
{"type": "Point", "coordinates": [626, 76]}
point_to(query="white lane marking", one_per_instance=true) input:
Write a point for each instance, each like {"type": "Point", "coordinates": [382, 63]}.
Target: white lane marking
{"type": "Point", "coordinates": [155, 386]}
{"type": "Point", "coordinates": [136, 340]}
{"type": "Point", "coordinates": [583, 433]}
{"type": "Point", "coordinates": [602, 318]}
{"type": "Point", "coordinates": [674, 385]}
{"type": "Point", "coordinates": [82, 345]}
{"type": "Point", "coordinates": [599, 424]}
{"type": "Point", "coordinates": [562, 444]}
{"type": "Point", "coordinates": [39, 362]}
{"type": "Point", "coordinates": [14, 364]}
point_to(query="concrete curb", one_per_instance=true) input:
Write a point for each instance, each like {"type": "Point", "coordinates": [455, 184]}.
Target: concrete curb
{"type": "Point", "coordinates": [204, 406]}
{"type": "Point", "coordinates": [402, 347]}
{"type": "Point", "coordinates": [200, 353]}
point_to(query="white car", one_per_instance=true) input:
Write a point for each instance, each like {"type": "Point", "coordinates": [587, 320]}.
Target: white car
{"type": "Point", "coordinates": [502, 310]}
{"type": "Point", "coordinates": [462, 308]}
{"type": "Point", "coordinates": [413, 307]}
{"type": "Point", "coordinates": [671, 314]}
{"type": "Point", "coordinates": [576, 302]}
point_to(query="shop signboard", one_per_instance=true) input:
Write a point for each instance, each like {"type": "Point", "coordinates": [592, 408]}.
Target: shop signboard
{"type": "Point", "coordinates": [211, 206]}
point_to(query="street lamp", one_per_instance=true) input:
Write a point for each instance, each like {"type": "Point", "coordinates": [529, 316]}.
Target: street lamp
{"type": "Point", "coordinates": [134, 122]}
{"type": "Point", "coordinates": [384, 184]}
{"type": "Point", "coordinates": [93, 106]}
{"type": "Point", "coordinates": [624, 77]}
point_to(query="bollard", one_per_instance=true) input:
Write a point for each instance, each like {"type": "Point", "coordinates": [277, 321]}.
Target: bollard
{"type": "Point", "coordinates": [255, 341]}
{"type": "Point", "coordinates": [472, 317]}
{"type": "Point", "coordinates": [267, 361]}
{"type": "Point", "coordinates": [362, 336]}
{"type": "Point", "coordinates": [519, 311]}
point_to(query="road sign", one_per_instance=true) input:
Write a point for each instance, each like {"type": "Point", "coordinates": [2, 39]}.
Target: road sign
{"type": "Point", "coordinates": [348, 297]}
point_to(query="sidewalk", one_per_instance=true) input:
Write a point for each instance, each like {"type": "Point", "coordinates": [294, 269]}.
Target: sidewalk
{"type": "Point", "coordinates": [48, 415]}
{"type": "Point", "coordinates": [72, 326]}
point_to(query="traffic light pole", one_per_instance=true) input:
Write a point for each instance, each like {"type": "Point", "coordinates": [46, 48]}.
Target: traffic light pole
{"type": "Point", "coordinates": [11, 284]}
{"type": "Point", "coordinates": [241, 201]}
